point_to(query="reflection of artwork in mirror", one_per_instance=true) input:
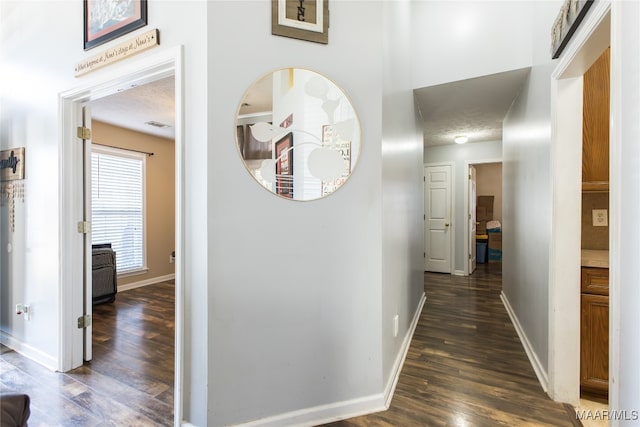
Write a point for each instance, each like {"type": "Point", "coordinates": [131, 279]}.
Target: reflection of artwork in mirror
{"type": "Point", "coordinates": [344, 147]}
{"type": "Point", "coordinates": [314, 116]}
{"type": "Point", "coordinates": [301, 19]}
{"type": "Point", "coordinates": [284, 166]}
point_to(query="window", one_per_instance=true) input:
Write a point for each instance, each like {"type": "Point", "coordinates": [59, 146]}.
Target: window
{"type": "Point", "coordinates": [118, 205]}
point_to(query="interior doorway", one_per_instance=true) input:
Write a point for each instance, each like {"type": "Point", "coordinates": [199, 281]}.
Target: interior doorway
{"type": "Point", "coordinates": [483, 210]}
{"type": "Point", "coordinates": [155, 67]}
{"type": "Point", "coordinates": [567, 91]}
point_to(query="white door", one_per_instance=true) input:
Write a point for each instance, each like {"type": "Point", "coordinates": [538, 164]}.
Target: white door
{"type": "Point", "coordinates": [86, 208]}
{"type": "Point", "coordinates": [437, 227]}
{"type": "Point", "coordinates": [472, 219]}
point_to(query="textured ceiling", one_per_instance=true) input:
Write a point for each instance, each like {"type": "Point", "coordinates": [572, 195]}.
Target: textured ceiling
{"type": "Point", "coordinates": [133, 107]}
{"type": "Point", "coordinates": [474, 107]}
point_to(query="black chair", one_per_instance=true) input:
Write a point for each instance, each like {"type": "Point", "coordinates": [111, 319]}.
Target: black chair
{"type": "Point", "coordinates": [104, 275]}
{"type": "Point", "coordinates": [14, 409]}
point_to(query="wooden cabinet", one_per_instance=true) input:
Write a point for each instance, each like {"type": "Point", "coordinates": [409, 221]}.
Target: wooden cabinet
{"type": "Point", "coordinates": [594, 331]}
{"type": "Point", "coordinates": [595, 125]}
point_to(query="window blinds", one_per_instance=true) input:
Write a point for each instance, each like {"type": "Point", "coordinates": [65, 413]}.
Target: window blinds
{"type": "Point", "coordinates": [117, 205]}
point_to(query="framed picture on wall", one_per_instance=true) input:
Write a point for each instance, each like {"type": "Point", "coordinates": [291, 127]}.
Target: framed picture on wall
{"type": "Point", "coordinates": [301, 19]}
{"type": "Point", "coordinates": [105, 20]}
{"type": "Point", "coordinates": [284, 166]}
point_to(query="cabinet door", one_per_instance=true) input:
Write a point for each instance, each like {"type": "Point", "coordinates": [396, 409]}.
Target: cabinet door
{"type": "Point", "coordinates": [595, 125]}
{"type": "Point", "coordinates": [594, 363]}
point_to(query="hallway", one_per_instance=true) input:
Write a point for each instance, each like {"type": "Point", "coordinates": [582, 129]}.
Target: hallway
{"type": "Point", "coordinates": [466, 366]}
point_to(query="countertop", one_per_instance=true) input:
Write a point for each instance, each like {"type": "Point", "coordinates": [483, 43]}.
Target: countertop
{"type": "Point", "coordinates": [595, 258]}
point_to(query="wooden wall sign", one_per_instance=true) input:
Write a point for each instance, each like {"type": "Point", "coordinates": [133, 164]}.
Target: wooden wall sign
{"type": "Point", "coordinates": [568, 20]}
{"type": "Point", "coordinates": [12, 164]}
{"type": "Point", "coordinates": [124, 50]}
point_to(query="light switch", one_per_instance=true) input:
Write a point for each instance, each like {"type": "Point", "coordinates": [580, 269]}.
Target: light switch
{"type": "Point", "coordinates": [600, 218]}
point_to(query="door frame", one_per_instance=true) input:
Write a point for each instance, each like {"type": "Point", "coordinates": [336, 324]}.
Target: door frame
{"type": "Point", "coordinates": [466, 205]}
{"type": "Point", "coordinates": [452, 230]}
{"type": "Point", "coordinates": [591, 39]}
{"type": "Point", "coordinates": [148, 68]}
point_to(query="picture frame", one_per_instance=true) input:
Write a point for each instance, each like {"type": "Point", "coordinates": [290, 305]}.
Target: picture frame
{"type": "Point", "coordinates": [301, 19]}
{"type": "Point", "coordinates": [106, 20]}
{"type": "Point", "coordinates": [567, 22]}
{"type": "Point", "coordinates": [284, 166]}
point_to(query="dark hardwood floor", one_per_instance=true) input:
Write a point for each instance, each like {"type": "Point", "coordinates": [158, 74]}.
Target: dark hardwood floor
{"type": "Point", "coordinates": [466, 366]}
{"type": "Point", "coordinates": [129, 382]}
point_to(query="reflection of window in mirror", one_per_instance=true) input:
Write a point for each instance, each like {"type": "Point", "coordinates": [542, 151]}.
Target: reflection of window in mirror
{"type": "Point", "coordinates": [324, 128]}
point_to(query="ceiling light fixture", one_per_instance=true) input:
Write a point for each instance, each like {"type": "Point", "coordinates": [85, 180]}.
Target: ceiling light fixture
{"type": "Point", "coordinates": [461, 139]}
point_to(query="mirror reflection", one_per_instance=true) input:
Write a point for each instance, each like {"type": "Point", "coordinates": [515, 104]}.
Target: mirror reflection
{"type": "Point", "coordinates": [298, 134]}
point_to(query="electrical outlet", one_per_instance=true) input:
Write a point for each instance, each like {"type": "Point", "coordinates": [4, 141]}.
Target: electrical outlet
{"type": "Point", "coordinates": [600, 217]}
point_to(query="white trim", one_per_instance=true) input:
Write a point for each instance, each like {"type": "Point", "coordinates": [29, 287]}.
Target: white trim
{"type": "Point", "coordinates": [465, 254]}
{"type": "Point", "coordinates": [528, 348]}
{"type": "Point", "coordinates": [349, 408]}
{"type": "Point", "coordinates": [324, 413]}
{"type": "Point", "coordinates": [146, 282]}
{"type": "Point", "coordinates": [591, 38]}
{"type": "Point", "coordinates": [452, 221]}
{"type": "Point", "coordinates": [402, 355]}
{"type": "Point", "coordinates": [158, 64]}
{"type": "Point", "coordinates": [460, 273]}
{"type": "Point", "coordinates": [28, 351]}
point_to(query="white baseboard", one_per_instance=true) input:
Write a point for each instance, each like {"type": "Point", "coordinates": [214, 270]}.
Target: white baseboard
{"type": "Point", "coordinates": [146, 282]}
{"type": "Point", "coordinates": [458, 272]}
{"type": "Point", "coordinates": [528, 348]}
{"type": "Point", "coordinates": [350, 408]}
{"type": "Point", "coordinates": [186, 424]}
{"type": "Point", "coordinates": [29, 352]}
{"type": "Point", "coordinates": [402, 355]}
{"type": "Point", "coordinates": [324, 413]}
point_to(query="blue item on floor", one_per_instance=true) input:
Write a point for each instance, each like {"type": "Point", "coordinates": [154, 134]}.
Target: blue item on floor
{"type": "Point", "coordinates": [495, 254]}
{"type": "Point", "coordinates": [481, 252]}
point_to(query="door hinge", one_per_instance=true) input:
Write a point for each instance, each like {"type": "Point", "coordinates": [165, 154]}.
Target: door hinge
{"type": "Point", "coordinates": [84, 321]}
{"type": "Point", "coordinates": [469, 256]}
{"type": "Point", "coordinates": [469, 176]}
{"type": "Point", "coordinates": [84, 227]}
{"type": "Point", "coordinates": [469, 216]}
{"type": "Point", "coordinates": [424, 216]}
{"type": "Point", "coordinates": [84, 133]}
{"type": "Point", "coordinates": [424, 254]}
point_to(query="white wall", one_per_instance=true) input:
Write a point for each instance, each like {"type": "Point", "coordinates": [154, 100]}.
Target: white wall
{"type": "Point", "coordinates": [295, 316]}
{"type": "Point", "coordinates": [461, 155]}
{"type": "Point", "coordinates": [458, 40]}
{"type": "Point", "coordinates": [39, 68]}
{"type": "Point", "coordinates": [526, 208]}
{"type": "Point", "coordinates": [625, 236]}
{"type": "Point", "coordinates": [402, 187]}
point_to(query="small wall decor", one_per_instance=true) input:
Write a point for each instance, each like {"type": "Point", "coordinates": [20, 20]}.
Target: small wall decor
{"type": "Point", "coordinates": [105, 20]}
{"type": "Point", "coordinates": [301, 19]}
{"type": "Point", "coordinates": [571, 14]}
{"type": "Point", "coordinates": [284, 166]}
{"type": "Point", "coordinates": [12, 169]}
{"type": "Point", "coordinates": [12, 164]}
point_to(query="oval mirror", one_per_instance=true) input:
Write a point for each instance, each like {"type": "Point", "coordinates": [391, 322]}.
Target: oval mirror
{"type": "Point", "coordinates": [298, 134]}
